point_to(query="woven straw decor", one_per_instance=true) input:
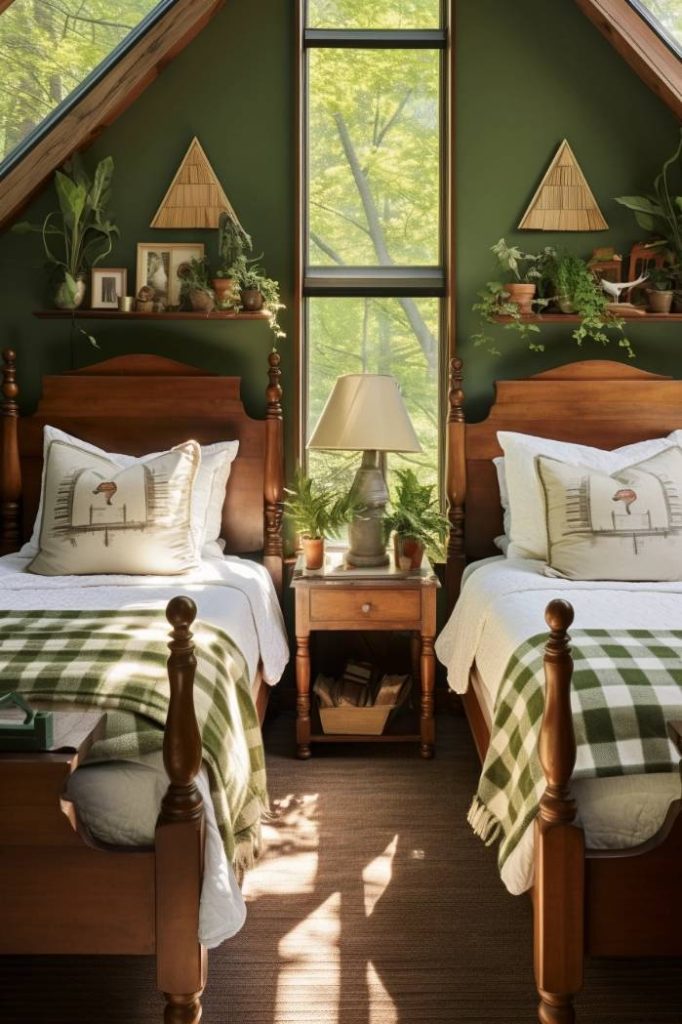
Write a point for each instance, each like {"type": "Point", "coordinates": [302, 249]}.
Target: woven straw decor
{"type": "Point", "coordinates": [195, 198]}
{"type": "Point", "coordinates": [564, 201]}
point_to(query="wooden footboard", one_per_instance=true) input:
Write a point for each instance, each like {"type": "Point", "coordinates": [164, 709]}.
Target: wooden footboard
{"type": "Point", "coordinates": [600, 902]}
{"type": "Point", "coordinates": [62, 892]}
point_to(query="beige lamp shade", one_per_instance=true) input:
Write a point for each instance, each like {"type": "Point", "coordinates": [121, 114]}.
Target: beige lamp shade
{"type": "Point", "coordinates": [365, 412]}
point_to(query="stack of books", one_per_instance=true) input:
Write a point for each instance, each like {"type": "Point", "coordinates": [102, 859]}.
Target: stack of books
{"type": "Point", "coordinates": [359, 702]}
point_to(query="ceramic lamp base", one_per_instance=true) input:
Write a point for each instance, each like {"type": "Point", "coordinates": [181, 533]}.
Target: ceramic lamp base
{"type": "Point", "coordinates": [366, 532]}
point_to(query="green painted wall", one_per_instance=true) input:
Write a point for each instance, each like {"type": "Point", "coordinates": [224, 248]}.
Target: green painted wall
{"type": "Point", "coordinates": [528, 74]}
{"type": "Point", "coordinates": [233, 88]}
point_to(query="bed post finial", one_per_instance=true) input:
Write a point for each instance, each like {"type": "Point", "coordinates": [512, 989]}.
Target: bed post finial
{"type": "Point", "coordinates": [559, 844]}
{"type": "Point", "coordinates": [274, 473]}
{"type": "Point", "coordinates": [179, 837]}
{"type": "Point", "coordinates": [181, 739]}
{"type": "Point", "coordinates": [10, 466]}
{"type": "Point", "coordinates": [455, 480]}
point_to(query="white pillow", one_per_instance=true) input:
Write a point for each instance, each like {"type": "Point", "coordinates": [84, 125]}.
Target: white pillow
{"type": "Point", "coordinates": [209, 487]}
{"type": "Point", "coordinates": [98, 517]}
{"type": "Point", "coordinates": [620, 526]}
{"type": "Point", "coordinates": [498, 463]}
{"type": "Point", "coordinates": [528, 526]}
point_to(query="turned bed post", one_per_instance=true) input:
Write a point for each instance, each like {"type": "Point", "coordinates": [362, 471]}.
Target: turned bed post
{"type": "Point", "coordinates": [558, 893]}
{"type": "Point", "coordinates": [179, 840]}
{"type": "Point", "coordinates": [274, 473]}
{"type": "Point", "coordinates": [455, 481]}
{"type": "Point", "coordinates": [10, 473]}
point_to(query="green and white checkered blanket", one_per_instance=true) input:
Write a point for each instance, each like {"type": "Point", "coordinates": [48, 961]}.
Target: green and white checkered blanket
{"type": "Point", "coordinates": [117, 660]}
{"type": "Point", "coordinates": [626, 685]}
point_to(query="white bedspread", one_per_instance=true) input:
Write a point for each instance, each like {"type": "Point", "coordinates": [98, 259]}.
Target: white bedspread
{"type": "Point", "coordinates": [120, 802]}
{"type": "Point", "coordinates": [503, 604]}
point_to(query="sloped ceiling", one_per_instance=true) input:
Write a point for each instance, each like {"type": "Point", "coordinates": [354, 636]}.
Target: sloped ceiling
{"type": "Point", "coordinates": [637, 42]}
{"type": "Point", "coordinates": [102, 104]}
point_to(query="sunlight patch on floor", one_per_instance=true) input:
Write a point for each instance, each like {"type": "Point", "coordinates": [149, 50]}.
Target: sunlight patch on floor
{"type": "Point", "coordinates": [311, 950]}
{"type": "Point", "coordinates": [288, 864]}
{"type": "Point", "coordinates": [382, 1009]}
{"type": "Point", "coordinates": [377, 875]}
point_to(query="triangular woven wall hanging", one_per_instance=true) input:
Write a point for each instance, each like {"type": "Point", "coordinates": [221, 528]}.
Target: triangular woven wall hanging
{"type": "Point", "coordinates": [195, 198]}
{"type": "Point", "coordinates": [564, 201]}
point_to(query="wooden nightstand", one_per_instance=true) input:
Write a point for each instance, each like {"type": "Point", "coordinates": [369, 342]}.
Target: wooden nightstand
{"type": "Point", "coordinates": [343, 599]}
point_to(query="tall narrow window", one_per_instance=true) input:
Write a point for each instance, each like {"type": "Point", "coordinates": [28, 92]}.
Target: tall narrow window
{"type": "Point", "coordinates": [373, 188]}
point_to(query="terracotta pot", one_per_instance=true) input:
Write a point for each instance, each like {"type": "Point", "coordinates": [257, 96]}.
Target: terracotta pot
{"type": "Point", "coordinates": [408, 552]}
{"type": "Point", "coordinates": [313, 552]}
{"type": "Point", "coordinates": [63, 298]}
{"type": "Point", "coordinates": [522, 295]}
{"type": "Point", "coordinates": [201, 301]}
{"type": "Point", "coordinates": [144, 305]}
{"type": "Point", "coordinates": [223, 288]}
{"type": "Point", "coordinates": [252, 300]}
{"type": "Point", "coordinates": [660, 302]}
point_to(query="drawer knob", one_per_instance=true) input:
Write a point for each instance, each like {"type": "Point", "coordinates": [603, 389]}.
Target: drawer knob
{"type": "Point", "coordinates": [366, 608]}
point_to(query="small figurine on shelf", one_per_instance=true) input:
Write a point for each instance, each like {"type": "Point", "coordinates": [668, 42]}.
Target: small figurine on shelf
{"type": "Point", "coordinates": [145, 299]}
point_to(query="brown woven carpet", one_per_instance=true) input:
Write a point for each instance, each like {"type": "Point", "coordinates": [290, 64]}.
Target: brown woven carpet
{"type": "Point", "coordinates": [374, 904]}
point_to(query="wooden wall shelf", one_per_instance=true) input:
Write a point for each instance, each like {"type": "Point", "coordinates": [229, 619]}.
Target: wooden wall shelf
{"type": "Point", "coordinates": [114, 314]}
{"type": "Point", "coordinates": [571, 318]}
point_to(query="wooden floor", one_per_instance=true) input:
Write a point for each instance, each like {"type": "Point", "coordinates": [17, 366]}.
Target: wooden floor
{"type": "Point", "coordinates": [374, 904]}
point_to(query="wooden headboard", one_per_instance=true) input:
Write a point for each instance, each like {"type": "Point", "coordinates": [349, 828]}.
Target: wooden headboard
{"type": "Point", "coordinates": [594, 402]}
{"type": "Point", "coordinates": [138, 404]}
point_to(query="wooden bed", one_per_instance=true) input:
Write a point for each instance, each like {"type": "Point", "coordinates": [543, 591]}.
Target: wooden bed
{"type": "Point", "coordinates": [602, 903]}
{"type": "Point", "coordinates": [60, 891]}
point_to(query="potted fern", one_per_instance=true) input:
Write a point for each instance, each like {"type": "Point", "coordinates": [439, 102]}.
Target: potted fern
{"type": "Point", "coordinates": [316, 512]}
{"type": "Point", "coordinates": [415, 520]}
{"type": "Point", "coordinates": [233, 242]}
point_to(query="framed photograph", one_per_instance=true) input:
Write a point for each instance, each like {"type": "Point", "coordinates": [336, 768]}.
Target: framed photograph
{"type": "Point", "coordinates": [108, 286]}
{"type": "Point", "coordinates": [157, 267]}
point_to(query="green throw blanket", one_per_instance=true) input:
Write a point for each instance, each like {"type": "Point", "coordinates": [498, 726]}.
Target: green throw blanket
{"type": "Point", "coordinates": [117, 660]}
{"type": "Point", "coordinates": [626, 685]}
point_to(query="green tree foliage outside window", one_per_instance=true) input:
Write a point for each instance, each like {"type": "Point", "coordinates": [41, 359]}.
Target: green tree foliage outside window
{"type": "Point", "coordinates": [669, 14]}
{"type": "Point", "coordinates": [48, 48]}
{"type": "Point", "coordinates": [374, 187]}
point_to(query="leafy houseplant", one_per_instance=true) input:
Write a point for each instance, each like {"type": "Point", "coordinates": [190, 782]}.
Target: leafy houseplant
{"type": "Point", "coordinates": [233, 243]}
{"type": "Point", "coordinates": [81, 228]}
{"type": "Point", "coordinates": [660, 212]}
{"type": "Point", "coordinates": [576, 290]}
{"type": "Point", "coordinates": [195, 289]}
{"type": "Point", "coordinates": [660, 289]}
{"type": "Point", "coordinates": [415, 520]}
{"type": "Point", "coordinates": [316, 512]}
{"type": "Point", "coordinates": [257, 290]}
{"type": "Point", "coordinates": [523, 266]}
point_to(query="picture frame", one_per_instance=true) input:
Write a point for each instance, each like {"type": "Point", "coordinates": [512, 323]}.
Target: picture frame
{"type": "Point", "coordinates": [107, 286]}
{"type": "Point", "coordinates": [157, 267]}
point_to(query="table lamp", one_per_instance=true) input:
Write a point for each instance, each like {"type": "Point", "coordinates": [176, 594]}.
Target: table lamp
{"type": "Point", "coordinates": [365, 412]}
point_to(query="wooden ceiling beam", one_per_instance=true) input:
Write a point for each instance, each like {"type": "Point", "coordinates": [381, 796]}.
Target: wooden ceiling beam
{"type": "Point", "coordinates": [642, 48]}
{"type": "Point", "coordinates": [102, 104]}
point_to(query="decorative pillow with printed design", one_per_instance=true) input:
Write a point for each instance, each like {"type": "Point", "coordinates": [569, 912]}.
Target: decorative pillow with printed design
{"type": "Point", "coordinates": [622, 526]}
{"type": "Point", "coordinates": [99, 518]}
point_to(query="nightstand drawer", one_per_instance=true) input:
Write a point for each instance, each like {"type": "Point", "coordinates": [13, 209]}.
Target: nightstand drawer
{"type": "Point", "coordinates": [365, 605]}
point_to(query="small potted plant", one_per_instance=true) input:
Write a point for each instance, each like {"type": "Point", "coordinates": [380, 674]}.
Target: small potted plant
{"type": "Point", "coordinates": [81, 228]}
{"type": "Point", "coordinates": [415, 520]}
{"type": "Point", "coordinates": [316, 512]}
{"type": "Point", "coordinates": [661, 289]}
{"type": "Point", "coordinates": [233, 242]}
{"type": "Point", "coordinates": [523, 265]}
{"type": "Point", "coordinates": [258, 291]}
{"type": "Point", "coordinates": [195, 290]}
